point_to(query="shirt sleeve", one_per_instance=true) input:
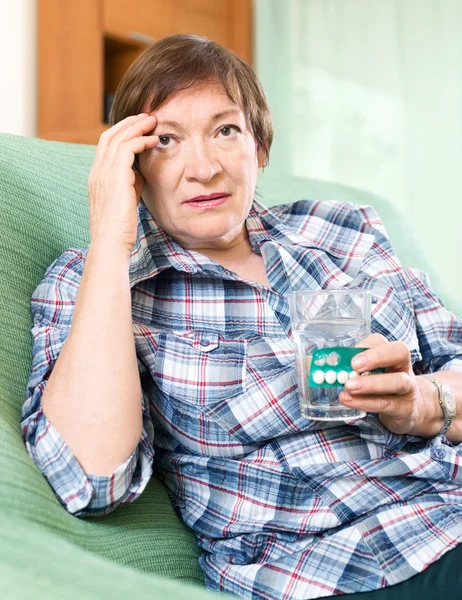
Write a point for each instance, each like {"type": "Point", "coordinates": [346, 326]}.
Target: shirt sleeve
{"type": "Point", "coordinates": [81, 494]}
{"type": "Point", "coordinates": [439, 331]}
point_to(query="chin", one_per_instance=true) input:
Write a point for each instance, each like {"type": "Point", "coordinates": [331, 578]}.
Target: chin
{"type": "Point", "coordinates": [213, 228]}
{"type": "Point", "coordinates": [203, 234]}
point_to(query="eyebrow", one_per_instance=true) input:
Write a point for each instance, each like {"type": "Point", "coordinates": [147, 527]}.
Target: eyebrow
{"type": "Point", "coordinates": [216, 117]}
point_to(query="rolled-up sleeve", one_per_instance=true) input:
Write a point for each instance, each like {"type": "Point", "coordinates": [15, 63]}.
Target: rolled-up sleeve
{"type": "Point", "coordinates": [80, 493]}
{"type": "Point", "coordinates": [438, 329]}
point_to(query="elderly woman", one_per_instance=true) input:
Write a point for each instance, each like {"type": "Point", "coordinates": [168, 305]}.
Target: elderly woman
{"type": "Point", "coordinates": [167, 342]}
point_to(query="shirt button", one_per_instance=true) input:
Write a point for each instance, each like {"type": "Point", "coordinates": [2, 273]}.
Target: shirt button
{"type": "Point", "coordinates": [37, 319]}
{"type": "Point", "coordinates": [205, 342]}
{"type": "Point", "coordinates": [439, 452]}
{"type": "Point", "coordinates": [82, 494]}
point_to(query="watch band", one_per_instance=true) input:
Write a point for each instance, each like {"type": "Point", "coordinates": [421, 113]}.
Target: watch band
{"type": "Point", "coordinates": [448, 418]}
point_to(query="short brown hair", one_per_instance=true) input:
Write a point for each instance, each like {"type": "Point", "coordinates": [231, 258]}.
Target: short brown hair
{"type": "Point", "coordinates": [179, 62]}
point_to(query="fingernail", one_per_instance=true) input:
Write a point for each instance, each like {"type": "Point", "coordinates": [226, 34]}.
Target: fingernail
{"type": "Point", "coordinates": [358, 362]}
{"type": "Point", "coordinates": [352, 384]}
{"type": "Point", "coordinates": [344, 397]}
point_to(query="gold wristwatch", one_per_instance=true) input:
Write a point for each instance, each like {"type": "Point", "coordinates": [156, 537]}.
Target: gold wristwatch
{"type": "Point", "coordinates": [447, 403]}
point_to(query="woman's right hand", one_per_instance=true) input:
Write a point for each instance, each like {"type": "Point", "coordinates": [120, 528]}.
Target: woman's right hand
{"type": "Point", "coordinates": [114, 187]}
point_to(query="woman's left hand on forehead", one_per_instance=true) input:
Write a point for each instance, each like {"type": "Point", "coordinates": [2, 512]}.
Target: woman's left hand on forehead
{"type": "Point", "coordinates": [394, 395]}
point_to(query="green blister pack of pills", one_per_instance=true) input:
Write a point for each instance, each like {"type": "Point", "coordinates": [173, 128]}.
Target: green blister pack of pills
{"type": "Point", "coordinates": [331, 367]}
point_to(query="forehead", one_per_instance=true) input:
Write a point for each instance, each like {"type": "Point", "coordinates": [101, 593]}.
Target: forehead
{"type": "Point", "coordinates": [202, 101]}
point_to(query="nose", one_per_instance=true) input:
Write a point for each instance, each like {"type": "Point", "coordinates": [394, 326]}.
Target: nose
{"type": "Point", "coordinates": [202, 163]}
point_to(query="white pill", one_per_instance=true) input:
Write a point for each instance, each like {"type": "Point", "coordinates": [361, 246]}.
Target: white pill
{"type": "Point", "coordinates": [331, 377]}
{"type": "Point", "coordinates": [342, 377]}
{"type": "Point", "coordinates": [318, 377]}
{"type": "Point", "coordinates": [365, 373]}
{"type": "Point", "coordinates": [353, 374]}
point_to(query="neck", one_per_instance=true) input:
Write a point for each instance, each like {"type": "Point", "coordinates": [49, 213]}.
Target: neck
{"type": "Point", "coordinates": [234, 248]}
{"type": "Point", "coordinates": [239, 250]}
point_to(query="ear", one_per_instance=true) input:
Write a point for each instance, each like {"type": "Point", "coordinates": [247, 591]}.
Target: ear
{"type": "Point", "coordinates": [262, 162]}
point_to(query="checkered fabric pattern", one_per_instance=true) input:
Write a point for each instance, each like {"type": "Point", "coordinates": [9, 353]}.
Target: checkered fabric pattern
{"type": "Point", "coordinates": [282, 507]}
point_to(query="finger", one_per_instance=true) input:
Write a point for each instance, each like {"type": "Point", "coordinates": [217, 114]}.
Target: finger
{"type": "Point", "coordinates": [136, 129]}
{"type": "Point", "coordinates": [370, 341]}
{"type": "Point", "coordinates": [395, 355]}
{"type": "Point", "coordinates": [140, 144]}
{"type": "Point", "coordinates": [398, 384]}
{"type": "Point", "coordinates": [379, 404]}
{"type": "Point", "coordinates": [129, 149]}
{"type": "Point", "coordinates": [110, 133]}
{"type": "Point", "coordinates": [394, 412]}
{"type": "Point", "coordinates": [110, 139]}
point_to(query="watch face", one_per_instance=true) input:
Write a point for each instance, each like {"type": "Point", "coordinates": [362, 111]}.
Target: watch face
{"type": "Point", "coordinates": [450, 402]}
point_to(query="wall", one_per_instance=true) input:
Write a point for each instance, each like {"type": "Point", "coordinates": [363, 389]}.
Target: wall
{"type": "Point", "coordinates": [368, 93]}
{"type": "Point", "coordinates": [18, 81]}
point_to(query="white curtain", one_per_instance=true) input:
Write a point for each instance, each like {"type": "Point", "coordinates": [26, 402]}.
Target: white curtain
{"type": "Point", "coordinates": [369, 93]}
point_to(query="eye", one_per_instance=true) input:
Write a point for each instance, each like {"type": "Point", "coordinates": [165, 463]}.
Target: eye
{"type": "Point", "coordinates": [164, 141]}
{"type": "Point", "coordinates": [227, 130]}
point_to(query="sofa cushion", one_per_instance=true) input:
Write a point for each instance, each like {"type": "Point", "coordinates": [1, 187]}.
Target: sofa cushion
{"type": "Point", "coordinates": [43, 211]}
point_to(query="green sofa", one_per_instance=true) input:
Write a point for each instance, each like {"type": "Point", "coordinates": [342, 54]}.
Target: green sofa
{"type": "Point", "coordinates": [142, 547]}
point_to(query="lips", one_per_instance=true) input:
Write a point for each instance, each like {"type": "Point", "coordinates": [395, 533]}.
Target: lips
{"type": "Point", "coordinates": [210, 197]}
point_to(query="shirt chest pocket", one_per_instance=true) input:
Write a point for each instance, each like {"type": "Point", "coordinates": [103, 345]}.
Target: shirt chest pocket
{"type": "Point", "coordinates": [200, 368]}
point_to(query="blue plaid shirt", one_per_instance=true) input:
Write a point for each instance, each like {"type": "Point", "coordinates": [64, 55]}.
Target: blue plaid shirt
{"type": "Point", "coordinates": [282, 507]}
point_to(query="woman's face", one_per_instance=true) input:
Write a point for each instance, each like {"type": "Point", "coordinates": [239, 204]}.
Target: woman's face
{"type": "Point", "coordinates": [205, 147]}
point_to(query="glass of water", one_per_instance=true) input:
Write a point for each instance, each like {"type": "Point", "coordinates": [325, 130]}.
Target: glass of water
{"type": "Point", "coordinates": [327, 328]}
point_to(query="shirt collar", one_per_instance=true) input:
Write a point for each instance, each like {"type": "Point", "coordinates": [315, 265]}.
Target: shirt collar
{"type": "Point", "coordinates": [155, 250]}
{"type": "Point", "coordinates": [264, 224]}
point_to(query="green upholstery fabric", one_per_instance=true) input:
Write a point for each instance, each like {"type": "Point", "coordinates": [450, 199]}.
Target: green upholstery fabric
{"type": "Point", "coordinates": [36, 563]}
{"type": "Point", "coordinates": [44, 211]}
{"type": "Point", "coordinates": [44, 551]}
